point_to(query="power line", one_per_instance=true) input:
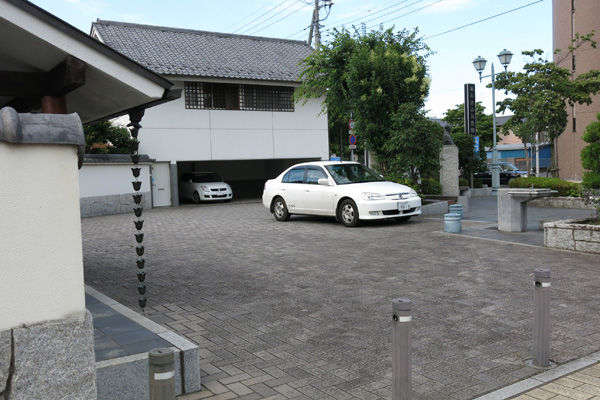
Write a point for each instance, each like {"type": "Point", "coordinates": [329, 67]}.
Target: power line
{"type": "Point", "coordinates": [273, 23]}
{"type": "Point", "coordinates": [273, 16]}
{"type": "Point", "coordinates": [259, 17]}
{"type": "Point", "coordinates": [387, 8]}
{"type": "Point", "coordinates": [245, 18]}
{"type": "Point", "coordinates": [404, 15]}
{"type": "Point", "coordinates": [481, 20]}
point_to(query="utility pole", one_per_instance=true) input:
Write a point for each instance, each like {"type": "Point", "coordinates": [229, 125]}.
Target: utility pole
{"type": "Point", "coordinates": [315, 23]}
{"type": "Point", "coordinates": [317, 30]}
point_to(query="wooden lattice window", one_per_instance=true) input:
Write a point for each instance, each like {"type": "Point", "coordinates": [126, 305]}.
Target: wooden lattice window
{"type": "Point", "coordinates": [227, 96]}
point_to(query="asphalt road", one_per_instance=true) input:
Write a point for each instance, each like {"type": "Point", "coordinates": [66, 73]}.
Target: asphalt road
{"type": "Point", "coordinates": [302, 309]}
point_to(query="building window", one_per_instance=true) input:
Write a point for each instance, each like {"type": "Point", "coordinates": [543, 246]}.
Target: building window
{"type": "Point", "coordinates": [228, 96]}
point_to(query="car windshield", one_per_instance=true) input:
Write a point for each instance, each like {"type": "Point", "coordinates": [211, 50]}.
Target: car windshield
{"type": "Point", "coordinates": [206, 177]}
{"type": "Point", "coordinates": [343, 174]}
{"type": "Point", "coordinates": [508, 167]}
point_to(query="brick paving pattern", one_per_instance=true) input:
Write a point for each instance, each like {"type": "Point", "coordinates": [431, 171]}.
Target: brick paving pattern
{"type": "Point", "coordinates": [302, 309]}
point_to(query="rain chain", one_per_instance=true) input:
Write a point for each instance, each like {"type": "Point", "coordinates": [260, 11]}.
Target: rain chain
{"type": "Point", "coordinates": [135, 118]}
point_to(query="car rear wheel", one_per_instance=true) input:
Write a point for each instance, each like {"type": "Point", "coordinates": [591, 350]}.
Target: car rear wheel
{"type": "Point", "coordinates": [349, 213]}
{"type": "Point", "coordinates": [196, 198]}
{"type": "Point", "coordinates": [280, 210]}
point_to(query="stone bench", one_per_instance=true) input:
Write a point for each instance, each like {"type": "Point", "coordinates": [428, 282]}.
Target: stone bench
{"type": "Point", "coordinates": [512, 207]}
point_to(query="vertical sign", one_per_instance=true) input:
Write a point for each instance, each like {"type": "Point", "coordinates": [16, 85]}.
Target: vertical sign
{"type": "Point", "coordinates": [470, 128]}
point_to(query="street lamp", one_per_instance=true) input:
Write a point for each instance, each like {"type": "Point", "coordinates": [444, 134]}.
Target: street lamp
{"type": "Point", "coordinates": [479, 63]}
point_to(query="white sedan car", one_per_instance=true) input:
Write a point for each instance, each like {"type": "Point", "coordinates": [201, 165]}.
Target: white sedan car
{"type": "Point", "coordinates": [348, 191]}
{"type": "Point", "coordinates": [204, 186]}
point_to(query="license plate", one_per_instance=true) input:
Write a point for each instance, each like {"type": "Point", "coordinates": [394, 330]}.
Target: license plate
{"type": "Point", "coordinates": [403, 206]}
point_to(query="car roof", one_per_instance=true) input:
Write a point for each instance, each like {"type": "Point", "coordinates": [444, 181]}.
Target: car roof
{"type": "Point", "coordinates": [324, 163]}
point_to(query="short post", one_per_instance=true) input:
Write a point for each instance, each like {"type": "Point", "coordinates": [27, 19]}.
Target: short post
{"type": "Point", "coordinates": [402, 343]}
{"type": "Point", "coordinates": [161, 368]}
{"type": "Point", "coordinates": [541, 318]}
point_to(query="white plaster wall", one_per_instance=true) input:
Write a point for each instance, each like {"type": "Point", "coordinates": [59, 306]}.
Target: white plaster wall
{"type": "Point", "coordinates": [41, 267]}
{"type": "Point", "coordinates": [172, 132]}
{"type": "Point", "coordinates": [109, 179]}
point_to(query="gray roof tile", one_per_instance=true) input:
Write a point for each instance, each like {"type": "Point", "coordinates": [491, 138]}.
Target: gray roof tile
{"type": "Point", "coordinates": [171, 51]}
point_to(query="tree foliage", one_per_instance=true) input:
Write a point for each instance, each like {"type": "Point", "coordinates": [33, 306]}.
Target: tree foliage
{"type": "Point", "coordinates": [369, 76]}
{"type": "Point", "coordinates": [590, 155]}
{"type": "Point", "coordinates": [542, 93]}
{"type": "Point", "coordinates": [413, 140]}
{"type": "Point", "coordinates": [466, 143]}
{"type": "Point", "coordinates": [106, 138]}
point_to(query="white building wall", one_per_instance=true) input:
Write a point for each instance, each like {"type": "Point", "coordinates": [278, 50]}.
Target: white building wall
{"type": "Point", "coordinates": [109, 179]}
{"type": "Point", "coordinates": [170, 132]}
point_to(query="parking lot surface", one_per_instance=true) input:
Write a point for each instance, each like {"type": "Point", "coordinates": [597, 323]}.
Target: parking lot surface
{"type": "Point", "coordinates": [302, 309]}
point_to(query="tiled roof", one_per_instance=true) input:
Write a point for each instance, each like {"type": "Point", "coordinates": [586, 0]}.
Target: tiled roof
{"type": "Point", "coordinates": [183, 52]}
{"type": "Point", "coordinates": [114, 159]}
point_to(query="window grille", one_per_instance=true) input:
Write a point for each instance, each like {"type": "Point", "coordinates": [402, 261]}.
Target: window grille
{"type": "Point", "coordinates": [226, 96]}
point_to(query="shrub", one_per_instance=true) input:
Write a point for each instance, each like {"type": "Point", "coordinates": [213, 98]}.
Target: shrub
{"type": "Point", "coordinates": [477, 184]}
{"type": "Point", "coordinates": [590, 155]}
{"type": "Point", "coordinates": [431, 186]}
{"type": "Point", "coordinates": [463, 182]}
{"type": "Point", "coordinates": [564, 188]}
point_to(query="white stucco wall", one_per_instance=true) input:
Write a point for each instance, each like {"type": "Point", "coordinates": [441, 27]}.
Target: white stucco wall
{"type": "Point", "coordinates": [172, 132]}
{"type": "Point", "coordinates": [41, 272]}
{"type": "Point", "coordinates": [108, 179]}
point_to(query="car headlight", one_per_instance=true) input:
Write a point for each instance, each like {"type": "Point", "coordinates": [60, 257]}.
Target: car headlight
{"type": "Point", "coordinates": [204, 188]}
{"type": "Point", "coordinates": [413, 193]}
{"type": "Point", "coordinates": [371, 196]}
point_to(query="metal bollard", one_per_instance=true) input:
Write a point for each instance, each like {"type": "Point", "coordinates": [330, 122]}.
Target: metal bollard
{"type": "Point", "coordinates": [401, 355]}
{"type": "Point", "coordinates": [541, 318]}
{"type": "Point", "coordinates": [161, 369]}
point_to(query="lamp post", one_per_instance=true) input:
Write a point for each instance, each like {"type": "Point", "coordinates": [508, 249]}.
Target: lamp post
{"type": "Point", "coordinates": [505, 56]}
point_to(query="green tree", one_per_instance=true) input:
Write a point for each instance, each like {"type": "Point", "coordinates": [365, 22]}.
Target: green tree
{"type": "Point", "coordinates": [106, 138]}
{"type": "Point", "coordinates": [541, 94]}
{"type": "Point", "coordinates": [413, 140]}
{"type": "Point", "coordinates": [465, 143]}
{"type": "Point", "coordinates": [590, 155]}
{"type": "Point", "coordinates": [368, 76]}
{"type": "Point", "coordinates": [483, 122]}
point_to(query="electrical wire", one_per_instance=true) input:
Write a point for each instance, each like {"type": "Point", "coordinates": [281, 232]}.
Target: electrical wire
{"type": "Point", "coordinates": [380, 11]}
{"type": "Point", "coordinates": [273, 23]}
{"type": "Point", "coordinates": [273, 16]}
{"type": "Point", "coordinates": [259, 17]}
{"type": "Point", "coordinates": [404, 15]}
{"type": "Point", "coordinates": [482, 20]}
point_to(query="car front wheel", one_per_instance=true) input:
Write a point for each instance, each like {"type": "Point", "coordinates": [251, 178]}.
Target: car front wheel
{"type": "Point", "coordinates": [349, 213]}
{"type": "Point", "coordinates": [280, 210]}
{"type": "Point", "coordinates": [196, 198]}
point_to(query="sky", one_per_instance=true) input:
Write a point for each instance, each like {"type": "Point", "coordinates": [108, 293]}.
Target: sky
{"type": "Point", "coordinates": [457, 31]}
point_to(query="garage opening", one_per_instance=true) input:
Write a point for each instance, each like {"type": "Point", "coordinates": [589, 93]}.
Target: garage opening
{"type": "Point", "coordinates": [246, 177]}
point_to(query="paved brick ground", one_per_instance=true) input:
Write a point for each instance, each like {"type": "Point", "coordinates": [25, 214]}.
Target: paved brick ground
{"type": "Point", "coordinates": [302, 309]}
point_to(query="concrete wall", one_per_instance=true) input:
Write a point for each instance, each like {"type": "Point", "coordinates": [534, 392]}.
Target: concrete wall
{"type": "Point", "coordinates": [173, 133]}
{"type": "Point", "coordinates": [42, 261]}
{"type": "Point", "coordinates": [46, 334]}
{"type": "Point", "coordinates": [106, 189]}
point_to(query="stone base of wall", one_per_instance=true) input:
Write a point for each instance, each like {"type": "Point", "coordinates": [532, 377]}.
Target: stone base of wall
{"type": "Point", "coordinates": [561, 202]}
{"type": "Point", "coordinates": [52, 360]}
{"type": "Point", "coordinates": [112, 204]}
{"type": "Point", "coordinates": [572, 235]}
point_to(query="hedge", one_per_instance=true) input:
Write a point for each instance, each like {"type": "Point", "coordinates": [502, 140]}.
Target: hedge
{"type": "Point", "coordinates": [564, 188]}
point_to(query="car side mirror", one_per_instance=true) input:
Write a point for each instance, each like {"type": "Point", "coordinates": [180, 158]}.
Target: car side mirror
{"type": "Point", "coordinates": [190, 181]}
{"type": "Point", "coordinates": [323, 181]}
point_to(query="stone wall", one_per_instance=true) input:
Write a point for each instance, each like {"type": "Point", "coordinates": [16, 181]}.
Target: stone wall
{"type": "Point", "coordinates": [53, 360]}
{"type": "Point", "coordinates": [112, 204]}
{"type": "Point", "coordinates": [572, 235]}
{"type": "Point", "coordinates": [561, 202]}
